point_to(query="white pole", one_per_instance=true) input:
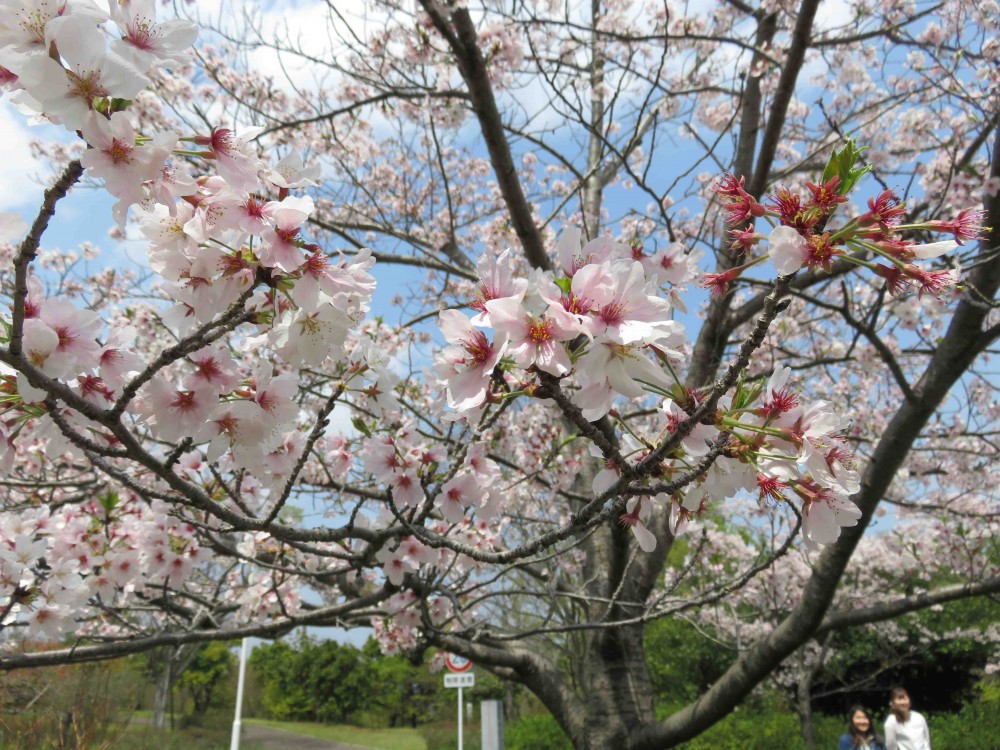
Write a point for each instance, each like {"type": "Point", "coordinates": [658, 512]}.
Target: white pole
{"type": "Point", "coordinates": [235, 743]}
{"type": "Point", "coordinates": [459, 720]}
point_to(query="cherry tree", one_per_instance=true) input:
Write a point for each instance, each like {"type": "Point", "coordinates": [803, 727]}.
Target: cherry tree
{"type": "Point", "coordinates": [915, 557]}
{"type": "Point", "coordinates": [660, 273]}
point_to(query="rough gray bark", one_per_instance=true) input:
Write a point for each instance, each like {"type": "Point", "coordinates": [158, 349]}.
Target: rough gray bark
{"type": "Point", "coordinates": [166, 673]}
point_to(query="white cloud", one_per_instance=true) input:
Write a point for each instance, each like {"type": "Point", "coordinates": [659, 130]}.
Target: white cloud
{"type": "Point", "coordinates": [19, 187]}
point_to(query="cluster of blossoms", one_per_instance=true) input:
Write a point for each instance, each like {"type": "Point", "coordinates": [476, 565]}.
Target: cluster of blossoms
{"type": "Point", "coordinates": [603, 297]}
{"type": "Point", "coordinates": [55, 58]}
{"type": "Point", "coordinates": [399, 628]}
{"type": "Point", "coordinates": [802, 235]}
{"type": "Point", "coordinates": [598, 331]}
{"type": "Point", "coordinates": [136, 548]}
{"type": "Point", "coordinates": [243, 282]}
{"type": "Point", "coordinates": [403, 465]}
{"type": "Point", "coordinates": [215, 242]}
{"type": "Point", "coordinates": [228, 247]}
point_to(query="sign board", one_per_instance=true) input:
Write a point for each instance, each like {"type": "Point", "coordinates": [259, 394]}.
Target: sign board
{"type": "Point", "coordinates": [459, 680]}
{"type": "Point", "coordinates": [456, 663]}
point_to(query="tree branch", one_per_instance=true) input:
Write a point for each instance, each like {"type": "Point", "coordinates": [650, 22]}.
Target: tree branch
{"type": "Point", "coordinates": [463, 40]}
{"type": "Point", "coordinates": [29, 249]}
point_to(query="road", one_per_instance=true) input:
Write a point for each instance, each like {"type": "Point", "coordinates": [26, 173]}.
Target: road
{"type": "Point", "coordinates": [278, 739]}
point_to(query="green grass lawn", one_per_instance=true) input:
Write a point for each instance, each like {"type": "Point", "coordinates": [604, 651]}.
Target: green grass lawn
{"type": "Point", "coordinates": [379, 739]}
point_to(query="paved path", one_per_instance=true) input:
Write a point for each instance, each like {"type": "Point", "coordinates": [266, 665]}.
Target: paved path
{"type": "Point", "coordinates": [278, 739]}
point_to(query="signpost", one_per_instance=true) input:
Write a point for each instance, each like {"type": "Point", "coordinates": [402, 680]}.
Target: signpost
{"type": "Point", "coordinates": [458, 665]}
{"type": "Point", "coordinates": [234, 743]}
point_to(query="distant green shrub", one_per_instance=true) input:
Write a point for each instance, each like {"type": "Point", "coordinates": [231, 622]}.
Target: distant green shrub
{"type": "Point", "coordinates": [444, 737]}
{"type": "Point", "coordinates": [959, 732]}
{"type": "Point", "coordinates": [535, 732]}
{"type": "Point", "coordinates": [975, 727]}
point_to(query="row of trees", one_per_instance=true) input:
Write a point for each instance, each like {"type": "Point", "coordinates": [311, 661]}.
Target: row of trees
{"type": "Point", "coordinates": [555, 185]}
{"type": "Point", "coordinates": [310, 680]}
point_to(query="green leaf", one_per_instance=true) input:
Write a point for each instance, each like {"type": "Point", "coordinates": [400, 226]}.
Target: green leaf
{"type": "Point", "coordinates": [844, 164]}
{"type": "Point", "coordinates": [564, 283]}
{"type": "Point", "coordinates": [109, 501]}
{"type": "Point", "coordinates": [746, 395]}
{"type": "Point", "coordinates": [360, 426]}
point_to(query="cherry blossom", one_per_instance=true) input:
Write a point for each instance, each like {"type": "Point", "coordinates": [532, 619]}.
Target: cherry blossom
{"type": "Point", "coordinates": [281, 247]}
{"type": "Point", "coordinates": [67, 95]}
{"type": "Point", "coordinates": [787, 249]}
{"type": "Point", "coordinates": [144, 41]}
{"type": "Point", "coordinates": [534, 340]}
{"type": "Point", "coordinates": [467, 365]}
{"type": "Point", "coordinates": [237, 161]}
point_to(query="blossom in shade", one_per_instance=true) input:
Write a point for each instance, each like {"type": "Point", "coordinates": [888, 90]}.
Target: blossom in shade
{"type": "Point", "coordinates": [636, 517]}
{"type": "Point", "coordinates": [117, 359]}
{"type": "Point", "coordinates": [275, 394]}
{"type": "Point", "coordinates": [698, 441]}
{"type": "Point", "coordinates": [214, 369]}
{"type": "Point", "coordinates": [459, 494]}
{"type": "Point", "coordinates": [77, 332]}
{"type": "Point", "coordinates": [179, 413]}
{"type": "Point", "coordinates": [241, 427]}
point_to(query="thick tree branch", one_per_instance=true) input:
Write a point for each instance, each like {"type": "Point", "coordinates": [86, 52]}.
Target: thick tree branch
{"type": "Point", "coordinates": [897, 607]}
{"type": "Point", "coordinates": [326, 616]}
{"type": "Point", "coordinates": [463, 40]}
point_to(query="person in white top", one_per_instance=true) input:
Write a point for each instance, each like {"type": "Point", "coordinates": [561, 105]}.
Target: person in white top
{"type": "Point", "coordinates": [905, 729]}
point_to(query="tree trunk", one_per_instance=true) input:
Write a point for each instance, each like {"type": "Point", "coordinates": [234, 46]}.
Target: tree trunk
{"type": "Point", "coordinates": [164, 682]}
{"type": "Point", "coordinates": [619, 694]}
{"type": "Point", "coordinates": [803, 707]}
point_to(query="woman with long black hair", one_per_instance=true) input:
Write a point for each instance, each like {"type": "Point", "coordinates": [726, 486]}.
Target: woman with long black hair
{"type": "Point", "coordinates": [861, 734]}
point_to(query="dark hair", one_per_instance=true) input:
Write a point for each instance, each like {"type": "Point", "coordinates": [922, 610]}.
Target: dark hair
{"type": "Point", "coordinates": [856, 736]}
{"type": "Point", "coordinates": [897, 692]}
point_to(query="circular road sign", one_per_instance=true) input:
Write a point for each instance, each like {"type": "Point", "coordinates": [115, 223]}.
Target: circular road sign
{"type": "Point", "coordinates": [457, 663]}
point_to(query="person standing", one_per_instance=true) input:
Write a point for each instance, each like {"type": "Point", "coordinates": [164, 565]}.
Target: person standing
{"type": "Point", "coordinates": [861, 734]}
{"type": "Point", "coordinates": [905, 729]}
